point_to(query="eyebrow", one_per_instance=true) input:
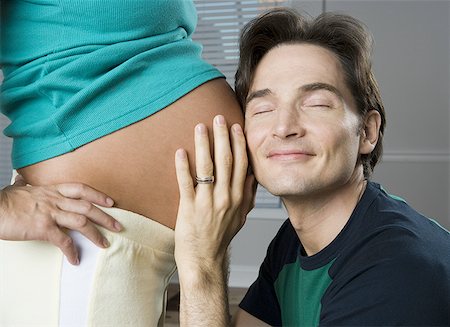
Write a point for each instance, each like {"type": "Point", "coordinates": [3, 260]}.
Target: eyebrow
{"type": "Point", "coordinates": [257, 94]}
{"type": "Point", "coordinates": [321, 86]}
{"type": "Point", "coordinates": [304, 88]}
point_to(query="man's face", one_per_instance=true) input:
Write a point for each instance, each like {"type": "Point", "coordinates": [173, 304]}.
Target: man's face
{"type": "Point", "coordinates": [301, 124]}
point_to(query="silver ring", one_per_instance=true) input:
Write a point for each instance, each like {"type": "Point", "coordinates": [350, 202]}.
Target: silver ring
{"type": "Point", "coordinates": [205, 180]}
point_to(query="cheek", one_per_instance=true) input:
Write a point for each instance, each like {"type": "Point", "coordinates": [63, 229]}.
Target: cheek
{"type": "Point", "coordinates": [254, 137]}
{"type": "Point", "coordinates": [250, 149]}
{"type": "Point", "coordinates": [254, 141]}
{"type": "Point", "coordinates": [349, 146]}
{"type": "Point", "coordinates": [340, 141]}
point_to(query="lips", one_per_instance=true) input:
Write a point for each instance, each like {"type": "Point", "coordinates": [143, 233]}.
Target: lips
{"type": "Point", "coordinates": [288, 154]}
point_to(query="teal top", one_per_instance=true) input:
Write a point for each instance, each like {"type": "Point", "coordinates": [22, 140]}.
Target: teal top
{"type": "Point", "coordinates": [76, 70]}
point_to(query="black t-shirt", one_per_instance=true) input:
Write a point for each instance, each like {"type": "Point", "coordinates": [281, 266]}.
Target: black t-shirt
{"type": "Point", "coordinates": [389, 265]}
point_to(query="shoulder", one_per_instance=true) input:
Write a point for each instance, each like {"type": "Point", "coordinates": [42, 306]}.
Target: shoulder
{"type": "Point", "coordinates": [392, 279]}
{"type": "Point", "coordinates": [396, 259]}
{"type": "Point", "coordinates": [396, 239]}
{"type": "Point", "coordinates": [390, 222]}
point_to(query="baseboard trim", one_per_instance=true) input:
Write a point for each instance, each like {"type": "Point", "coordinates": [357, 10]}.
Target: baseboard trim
{"type": "Point", "coordinates": [242, 276]}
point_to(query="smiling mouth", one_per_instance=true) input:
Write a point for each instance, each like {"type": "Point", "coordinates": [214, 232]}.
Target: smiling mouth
{"type": "Point", "coordinates": [289, 155]}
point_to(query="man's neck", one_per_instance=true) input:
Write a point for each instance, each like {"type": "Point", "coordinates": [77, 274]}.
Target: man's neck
{"type": "Point", "coordinates": [319, 219]}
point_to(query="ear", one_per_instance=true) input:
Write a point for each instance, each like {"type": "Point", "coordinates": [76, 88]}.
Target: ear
{"type": "Point", "coordinates": [369, 132]}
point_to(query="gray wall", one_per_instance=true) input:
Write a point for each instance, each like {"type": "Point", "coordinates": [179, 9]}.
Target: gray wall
{"type": "Point", "coordinates": [5, 149]}
{"type": "Point", "coordinates": [412, 66]}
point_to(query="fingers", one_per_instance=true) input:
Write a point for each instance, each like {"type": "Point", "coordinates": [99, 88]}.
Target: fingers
{"type": "Point", "coordinates": [65, 243]}
{"type": "Point", "coordinates": [230, 166]}
{"type": "Point", "coordinates": [222, 155]}
{"type": "Point", "coordinates": [94, 214]}
{"type": "Point", "coordinates": [79, 215]}
{"type": "Point", "coordinates": [85, 196]}
{"type": "Point", "coordinates": [76, 211]}
{"type": "Point", "coordinates": [240, 163]}
{"type": "Point", "coordinates": [45, 212]}
{"type": "Point", "coordinates": [74, 221]}
{"type": "Point", "coordinates": [81, 191]}
{"type": "Point", "coordinates": [208, 217]}
{"type": "Point", "coordinates": [230, 161]}
{"type": "Point", "coordinates": [185, 183]}
{"type": "Point", "coordinates": [203, 163]}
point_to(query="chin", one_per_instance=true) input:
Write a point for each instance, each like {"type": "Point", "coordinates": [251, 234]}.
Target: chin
{"type": "Point", "coordinates": [285, 188]}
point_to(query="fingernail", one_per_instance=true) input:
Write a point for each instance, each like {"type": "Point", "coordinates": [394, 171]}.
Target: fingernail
{"type": "Point", "coordinates": [201, 129]}
{"type": "Point", "coordinates": [117, 226]}
{"type": "Point", "coordinates": [237, 129]}
{"type": "Point", "coordinates": [181, 154]}
{"type": "Point", "coordinates": [109, 201]}
{"type": "Point", "coordinates": [220, 120]}
{"type": "Point", "coordinates": [77, 262]}
{"type": "Point", "coordinates": [105, 243]}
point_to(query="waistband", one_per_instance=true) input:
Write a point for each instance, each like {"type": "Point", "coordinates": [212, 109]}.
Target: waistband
{"type": "Point", "coordinates": [140, 229]}
{"type": "Point", "coordinates": [137, 228]}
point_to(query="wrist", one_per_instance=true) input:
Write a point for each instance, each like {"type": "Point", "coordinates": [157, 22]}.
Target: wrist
{"type": "Point", "coordinates": [204, 291]}
{"type": "Point", "coordinates": [203, 270]}
{"type": "Point", "coordinates": [200, 275]}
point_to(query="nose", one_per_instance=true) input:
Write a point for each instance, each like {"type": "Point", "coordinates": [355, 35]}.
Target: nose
{"type": "Point", "coordinates": [288, 123]}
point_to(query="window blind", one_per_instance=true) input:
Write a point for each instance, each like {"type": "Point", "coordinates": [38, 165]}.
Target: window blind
{"type": "Point", "coordinates": [218, 28]}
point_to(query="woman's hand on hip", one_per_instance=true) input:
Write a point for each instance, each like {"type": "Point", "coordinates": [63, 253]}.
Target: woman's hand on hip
{"type": "Point", "coordinates": [45, 213]}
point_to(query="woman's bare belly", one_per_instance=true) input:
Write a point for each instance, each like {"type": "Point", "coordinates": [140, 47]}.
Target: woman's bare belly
{"type": "Point", "coordinates": [135, 165]}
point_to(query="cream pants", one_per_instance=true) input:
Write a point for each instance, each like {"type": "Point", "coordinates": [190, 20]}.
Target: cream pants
{"type": "Point", "coordinates": [123, 285]}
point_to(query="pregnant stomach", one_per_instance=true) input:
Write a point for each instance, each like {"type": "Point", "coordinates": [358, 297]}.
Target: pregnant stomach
{"type": "Point", "coordinates": [135, 165]}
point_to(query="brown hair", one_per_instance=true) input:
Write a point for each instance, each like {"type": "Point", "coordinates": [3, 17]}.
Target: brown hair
{"type": "Point", "coordinates": [344, 35]}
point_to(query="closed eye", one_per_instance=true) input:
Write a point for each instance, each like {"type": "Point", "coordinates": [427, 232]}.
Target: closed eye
{"type": "Point", "coordinates": [317, 105]}
{"type": "Point", "coordinates": [260, 109]}
{"type": "Point", "coordinates": [321, 105]}
{"type": "Point", "coordinates": [259, 112]}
